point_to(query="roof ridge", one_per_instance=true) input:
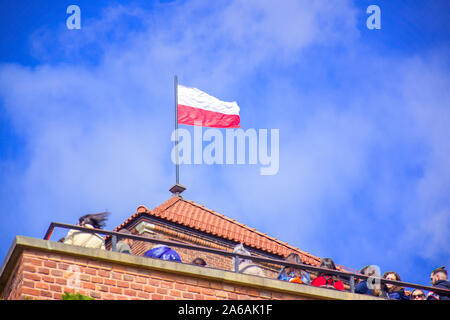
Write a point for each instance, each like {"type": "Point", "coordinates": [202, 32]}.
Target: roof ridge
{"type": "Point", "coordinates": [251, 229]}
{"type": "Point", "coordinates": [167, 204]}
{"type": "Point", "coordinates": [133, 216]}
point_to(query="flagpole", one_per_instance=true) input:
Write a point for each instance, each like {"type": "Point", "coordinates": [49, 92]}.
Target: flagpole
{"type": "Point", "coordinates": [177, 161]}
{"type": "Point", "coordinates": [177, 188]}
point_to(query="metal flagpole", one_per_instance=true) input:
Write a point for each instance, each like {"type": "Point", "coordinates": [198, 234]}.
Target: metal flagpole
{"type": "Point", "coordinates": [177, 188]}
{"type": "Point", "coordinates": [177, 164]}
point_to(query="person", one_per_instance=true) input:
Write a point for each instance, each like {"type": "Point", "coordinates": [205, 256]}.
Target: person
{"type": "Point", "coordinates": [292, 274]}
{"type": "Point", "coordinates": [124, 244]}
{"type": "Point", "coordinates": [163, 252]}
{"type": "Point", "coordinates": [326, 280]}
{"type": "Point", "coordinates": [418, 294]}
{"type": "Point", "coordinates": [199, 262]}
{"type": "Point", "coordinates": [438, 279]}
{"type": "Point", "coordinates": [86, 239]}
{"type": "Point", "coordinates": [246, 265]}
{"type": "Point", "coordinates": [369, 288]}
{"type": "Point", "coordinates": [392, 291]}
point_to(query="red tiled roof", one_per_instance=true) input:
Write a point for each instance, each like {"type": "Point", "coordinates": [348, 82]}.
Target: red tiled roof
{"type": "Point", "coordinates": [195, 216]}
{"type": "Point", "coordinates": [141, 210]}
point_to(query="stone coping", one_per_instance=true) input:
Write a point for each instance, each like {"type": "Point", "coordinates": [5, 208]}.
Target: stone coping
{"type": "Point", "coordinates": [27, 243]}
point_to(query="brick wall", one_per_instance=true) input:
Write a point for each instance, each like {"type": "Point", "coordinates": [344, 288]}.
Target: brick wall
{"type": "Point", "coordinates": [40, 275]}
{"type": "Point", "coordinates": [15, 283]}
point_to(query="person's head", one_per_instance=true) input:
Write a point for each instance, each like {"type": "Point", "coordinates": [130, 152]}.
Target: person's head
{"type": "Point", "coordinates": [418, 294]}
{"type": "Point", "coordinates": [128, 241]}
{"type": "Point", "coordinates": [239, 249]}
{"type": "Point", "coordinates": [199, 262]}
{"type": "Point", "coordinates": [97, 220]}
{"type": "Point", "coordinates": [391, 275]}
{"type": "Point", "coordinates": [371, 271]}
{"type": "Point", "coordinates": [328, 263]}
{"type": "Point", "coordinates": [292, 258]}
{"type": "Point", "coordinates": [438, 275]}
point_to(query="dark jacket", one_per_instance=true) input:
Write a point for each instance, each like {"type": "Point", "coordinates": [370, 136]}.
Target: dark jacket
{"type": "Point", "coordinates": [442, 284]}
{"type": "Point", "coordinates": [398, 294]}
{"type": "Point", "coordinates": [362, 288]}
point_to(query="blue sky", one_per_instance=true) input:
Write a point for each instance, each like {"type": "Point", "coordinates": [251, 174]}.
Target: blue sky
{"type": "Point", "coordinates": [86, 117]}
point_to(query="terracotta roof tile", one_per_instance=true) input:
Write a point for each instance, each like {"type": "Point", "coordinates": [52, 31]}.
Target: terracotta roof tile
{"type": "Point", "coordinates": [196, 216]}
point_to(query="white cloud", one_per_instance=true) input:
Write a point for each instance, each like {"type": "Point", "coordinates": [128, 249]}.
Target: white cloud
{"type": "Point", "coordinates": [430, 235]}
{"type": "Point", "coordinates": [98, 129]}
{"type": "Point", "coordinates": [94, 129]}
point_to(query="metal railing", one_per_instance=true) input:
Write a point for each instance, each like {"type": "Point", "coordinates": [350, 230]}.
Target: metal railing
{"type": "Point", "coordinates": [343, 275]}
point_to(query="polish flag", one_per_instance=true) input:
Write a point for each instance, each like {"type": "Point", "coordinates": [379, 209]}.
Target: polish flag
{"type": "Point", "coordinates": [198, 108]}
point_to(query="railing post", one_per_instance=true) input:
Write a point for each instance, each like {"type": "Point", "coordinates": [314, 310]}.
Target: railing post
{"type": "Point", "coordinates": [236, 264]}
{"type": "Point", "coordinates": [114, 243]}
{"type": "Point", "coordinates": [352, 284]}
{"type": "Point", "coordinates": [49, 231]}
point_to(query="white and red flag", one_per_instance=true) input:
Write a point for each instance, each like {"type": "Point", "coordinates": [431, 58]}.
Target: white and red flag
{"type": "Point", "coordinates": [198, 108]}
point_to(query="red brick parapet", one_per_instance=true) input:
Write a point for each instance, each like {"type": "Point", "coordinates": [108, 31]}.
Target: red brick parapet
{"type": "Point", "coordinates": [39, 269]}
